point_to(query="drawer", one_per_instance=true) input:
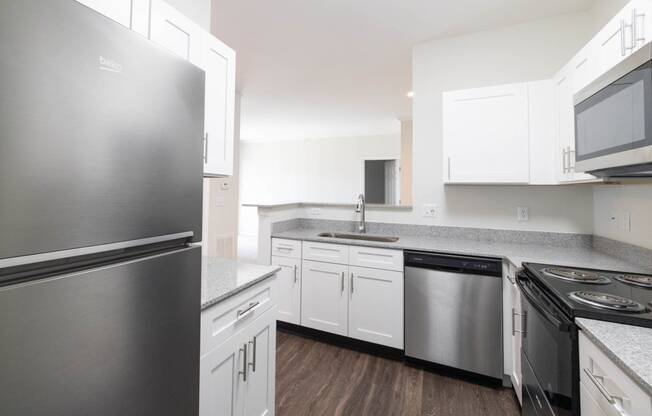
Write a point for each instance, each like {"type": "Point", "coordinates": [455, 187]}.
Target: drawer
{"type": "Point", "coordinates": [329, 253]}
{"type": "Point", "coordinates": [221, 321]}
{"type": "Point", "coordinates": [376, 258]}
{"type": "Point", "coordinates": [610, 388]}
{"type": "Point", "coordinates": [286, 248]}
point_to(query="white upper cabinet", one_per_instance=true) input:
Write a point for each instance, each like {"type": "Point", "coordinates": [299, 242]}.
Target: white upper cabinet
{"type": "Point", "coordinates": [625, 33]}
{"type": "Point", "coordinates": [542, 135]}
{"type": "Point", "coordinates": [174, 31]}
{"type": "Point", "coordinates": [133, 14]}
{"type": "Point", "coordinates": [485, 133]}
{"type": "Point", "coordinates": [182, 36]}
{"type": "Point", "coordinates": [219, 64]}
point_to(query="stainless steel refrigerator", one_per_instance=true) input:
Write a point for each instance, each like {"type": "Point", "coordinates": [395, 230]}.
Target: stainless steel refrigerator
{"type": "Point", "coordinates": [100, 199]}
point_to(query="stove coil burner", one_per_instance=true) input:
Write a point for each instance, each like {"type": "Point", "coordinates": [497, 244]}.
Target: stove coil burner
{"type": "Point", "coordinates": [579, 276]}
{"type": "Point", "coordinates": [607, 301]}
{"type": "Point", "coordinates": [636, 280]}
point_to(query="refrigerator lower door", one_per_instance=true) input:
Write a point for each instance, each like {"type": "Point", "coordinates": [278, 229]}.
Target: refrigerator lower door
{"type": "Point", "coordinates": [116, 340]}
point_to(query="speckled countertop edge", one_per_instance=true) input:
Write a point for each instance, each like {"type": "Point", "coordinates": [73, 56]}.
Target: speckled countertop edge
{"type": "Point", "coordinates": [513, 252]}
{"type": "Point", "coordinates": [223, 278]}
{"type": "Point", "coordinates": [629, 347]}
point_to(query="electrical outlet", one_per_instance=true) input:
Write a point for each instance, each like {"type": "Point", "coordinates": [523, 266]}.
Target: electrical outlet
{"type": "Point", "coordinates": [430, 210]}
{"type": "Point", "coordinates": [523, 213]}
{"type": "Point", "coordinates": [315, 212]}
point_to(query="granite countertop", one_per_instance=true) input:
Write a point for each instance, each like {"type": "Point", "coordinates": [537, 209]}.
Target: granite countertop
{"type": "Point", "coordinates": [223, 278]}
{"type": "Point", "coordinates": [627, 346]}
{"type": "Point", "coordinates": [516, 253]}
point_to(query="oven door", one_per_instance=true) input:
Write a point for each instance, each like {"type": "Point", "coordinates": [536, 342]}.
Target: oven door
{"type": "Point", "coordinates": [613, 126]}
{"type": "Point", "coordinates": [549, 355]}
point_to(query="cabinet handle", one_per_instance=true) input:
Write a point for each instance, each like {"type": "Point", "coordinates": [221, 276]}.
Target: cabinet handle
{"type": "Point", "coordinates": [514, 315]}
{"type": "Point", "coordinates": [622, 37]}
{"type": "Point", "coordinates": [571, 160]}
{"type": "Point", "coordinates": [635, 37]}
{"type": "Point", "coordinates": [295, 274]}
{"type": "Point", "coordinates": [205, 147]}
{"type": "Point", "coordinates": [253, 363]}
{"type": "Point", "coordinates": [351, 283]}
{"type": "Point", "coordinates": [563, 158]}
{"type": "Point", "coordinates": [244, 363]}
{"type": "Point", "coordinates": [242, 312]}
{"type": "Point", "coordinates": [342, 282]}
{"type": "Point", "coordinates": [449, 169]}
{"type": "Point", "coordinates": [601, 388]}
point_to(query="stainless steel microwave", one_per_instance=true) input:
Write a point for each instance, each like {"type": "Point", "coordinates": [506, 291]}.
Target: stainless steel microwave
{"type": "Point", "coordinates": [613, 120]}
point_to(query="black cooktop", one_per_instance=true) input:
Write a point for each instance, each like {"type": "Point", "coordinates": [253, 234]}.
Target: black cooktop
{"type": "Point", "coordinates": [597, 294]}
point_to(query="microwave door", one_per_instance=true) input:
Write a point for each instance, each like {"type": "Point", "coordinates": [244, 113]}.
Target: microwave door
{"type": "Point", "coordinates": [613, 127]}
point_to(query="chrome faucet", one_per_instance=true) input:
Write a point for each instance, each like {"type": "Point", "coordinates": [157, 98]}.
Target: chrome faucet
{"type": "Point", "coordinates": [360, 209]}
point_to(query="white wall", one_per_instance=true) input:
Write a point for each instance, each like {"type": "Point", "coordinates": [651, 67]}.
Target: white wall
{"type": "Point", "coordinates": [317, 170]}
{"type": "Point", "coordinates": [612, 202]}
{"type": "Point", "coordinates": [524, 52]}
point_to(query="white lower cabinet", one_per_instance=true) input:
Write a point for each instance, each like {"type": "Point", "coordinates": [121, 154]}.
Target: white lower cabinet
{"type": "Point", "coordinates": [339, 296]}
{"type": "Point", "coordinates": [289, 289]}
{"type": "Point", "coordinates": [605, 388]}
{"type": "Point", "coordinates": [237, 377]}
{"type": "Point", "coordinates": [324, 297]}
{"type": "Point", "coordinates": [376, 306]}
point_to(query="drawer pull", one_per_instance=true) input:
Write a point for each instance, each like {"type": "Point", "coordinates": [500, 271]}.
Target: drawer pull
{"type": "Point", "coordinates": [601, 388]}
{"type": "Point", "coordinates": [295, 274]}
{"type": "Point", "coordinates": [247, 310]}
{"type": "Point", "coordinates": [284, 248]}
{"type": "Point", "coordinates": [366, 253]}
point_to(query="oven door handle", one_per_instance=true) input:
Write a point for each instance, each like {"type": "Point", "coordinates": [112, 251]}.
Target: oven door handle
{"type": "Point", "coordinates": [550, 317]}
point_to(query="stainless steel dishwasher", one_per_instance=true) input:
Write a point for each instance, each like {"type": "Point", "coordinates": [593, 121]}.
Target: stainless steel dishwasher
{"type": "Point", "coordinates": [453, 311]}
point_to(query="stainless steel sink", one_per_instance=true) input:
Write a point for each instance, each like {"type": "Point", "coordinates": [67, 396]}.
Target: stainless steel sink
{"type": "Point", "coordinates": [353, 236]}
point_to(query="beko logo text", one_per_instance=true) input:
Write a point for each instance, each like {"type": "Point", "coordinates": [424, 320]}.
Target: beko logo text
{"type": "Point", "coordinates": [109, 65]}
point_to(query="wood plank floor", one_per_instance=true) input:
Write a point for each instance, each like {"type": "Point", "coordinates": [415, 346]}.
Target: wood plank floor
{"type": "Point", "coordinates": [314, 378]}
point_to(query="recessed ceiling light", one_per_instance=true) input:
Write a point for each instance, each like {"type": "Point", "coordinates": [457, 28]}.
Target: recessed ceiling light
{"type": "Point", "coordinates": [410, 94]}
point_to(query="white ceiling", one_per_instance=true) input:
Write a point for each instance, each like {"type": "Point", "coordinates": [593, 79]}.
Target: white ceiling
{"type": "Point", "coordinates": [333, 68]}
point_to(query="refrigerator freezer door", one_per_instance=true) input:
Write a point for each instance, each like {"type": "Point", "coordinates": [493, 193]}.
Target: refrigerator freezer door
{"type": "Point", "coordinates": [101, 132]}
{"type": "Point", "coordinates": [117, 340]}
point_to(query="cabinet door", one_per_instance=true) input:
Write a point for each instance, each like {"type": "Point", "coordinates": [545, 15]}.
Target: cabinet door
{"type": "Point", "coordinates": [486, 135]}
{"type": "Point", "coordinates": [563, 84]}
{"type": "Point", "coordinates": [221, 382]}
{"type": "Point", "coordinates": [516, 329]}
{"type": "Point", "coordinates": [611, 42]}
{"type": "Point", "coordinates": [133, 14]}
{"type": "Point", "coordinates": [376, 306]}
{"type": "Point", "coordinates": [588, 405]}
{"type": "Point", "coordinates": [219, 63]}
{"type": "Point", "coordinates": [261, 366]}
{"type": "Point", "coordinates": [324, 296]}
{"type": "Point", "coordinates": [542, 133]}
{"type": "Point", "coordinates": [118, 10]}
{"type": "Point", "coordinates": [289, 289]}
{"type": "Point", "coordinates": [175, 32]}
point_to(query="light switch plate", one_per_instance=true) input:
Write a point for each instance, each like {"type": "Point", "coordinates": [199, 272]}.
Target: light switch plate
{"type": "Point", "coordinates": [627, 221]}
{"type": "Point", "coordinates": [523, 213]}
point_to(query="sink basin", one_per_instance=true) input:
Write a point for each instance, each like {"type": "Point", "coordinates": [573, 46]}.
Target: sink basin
{"type": "Point", "coordinates": [353, 236]}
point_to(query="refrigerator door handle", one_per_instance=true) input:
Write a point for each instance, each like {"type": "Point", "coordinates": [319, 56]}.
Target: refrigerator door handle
{"type": "Point", "coordinates": [76, 252]}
